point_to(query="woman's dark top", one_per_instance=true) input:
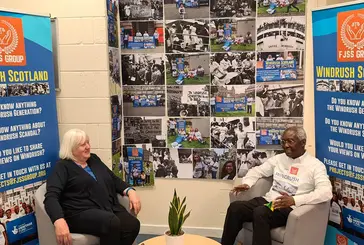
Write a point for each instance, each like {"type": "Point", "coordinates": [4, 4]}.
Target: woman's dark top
{"type": "Point", "coordinates": [71, 190]}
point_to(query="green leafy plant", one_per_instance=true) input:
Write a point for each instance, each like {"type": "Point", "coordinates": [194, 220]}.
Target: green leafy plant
{"type": "Point", "coordinates": [177, 216]}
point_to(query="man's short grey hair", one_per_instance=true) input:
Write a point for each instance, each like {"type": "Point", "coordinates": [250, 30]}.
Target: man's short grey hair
{"type": "Point", "coordinates": [299, 131]}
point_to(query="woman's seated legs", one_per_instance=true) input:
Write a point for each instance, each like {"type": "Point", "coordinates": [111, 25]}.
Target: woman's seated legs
{"type": "Point", "coordinates": [118, 228]}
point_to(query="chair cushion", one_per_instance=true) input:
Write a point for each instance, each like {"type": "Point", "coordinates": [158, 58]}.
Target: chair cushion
{"type": "Point", "coordinates": [277, 233]}
{"type": "Point", "coordinates": [83, 239]}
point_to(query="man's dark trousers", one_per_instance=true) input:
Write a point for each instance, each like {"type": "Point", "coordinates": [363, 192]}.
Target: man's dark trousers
{"type": "Point", "coordinates": [254, 211]}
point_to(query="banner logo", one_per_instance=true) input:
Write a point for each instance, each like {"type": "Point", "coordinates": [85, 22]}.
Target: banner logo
{"type": "Point", "coordinates": [12, 48]}
{"type": "Point", "coordinates": [15, 230]}
{"type": "Point", "coordinates": [350, 36]}
{"type": "Point", "coordinates": [341, 240]}
{"type": "Point", "coordinates": [134, 152]}
{"type": "Point", "coordinates": [294, 170]}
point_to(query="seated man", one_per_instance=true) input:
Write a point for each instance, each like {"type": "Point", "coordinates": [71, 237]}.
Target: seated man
{"type": "Point", "coordinates": [298, 179]}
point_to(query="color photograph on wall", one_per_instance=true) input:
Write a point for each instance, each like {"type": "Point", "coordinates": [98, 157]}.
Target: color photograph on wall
{"type": "Point", "coordinates": [139, 171]}
{"type": "Point", "coordinates": [187, 69]}
{"type": "Point", "coordinates": [232, 34]}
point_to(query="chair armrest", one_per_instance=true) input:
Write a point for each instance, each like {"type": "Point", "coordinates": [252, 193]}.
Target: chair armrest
{"type": "Point", "coordinates": [259, 189]}
{"type": "Point", "coordinates": [46, 233]}
{"type": "Point", "coordinates": [124, 201]}
{"type": "Point", "coordinates": [307, 223]}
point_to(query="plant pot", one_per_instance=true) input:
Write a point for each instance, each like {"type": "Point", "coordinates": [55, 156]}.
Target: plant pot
{"type": "Point", "coordinates": [174, 240]}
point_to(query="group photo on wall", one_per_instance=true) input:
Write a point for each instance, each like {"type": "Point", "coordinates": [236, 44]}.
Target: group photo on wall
{"type": "Point", "coordinates": [187, 69]}
{"type": "Point", "coordinates": [232, 68]}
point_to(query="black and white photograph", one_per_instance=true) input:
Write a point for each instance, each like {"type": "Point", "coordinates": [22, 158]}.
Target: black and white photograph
{"type": "Point", "coordinates": [283, 67]}
{"type": "Point", "coordinates": [345, 86]}
{"type": "Point", "coordinates": [142, 69]}
{"type": "Point", "coordinates": [141, 37]}
{"type": "Point", "coordinates": [145, 130]}
{"type": "Point", "coordinates": [232, 34]}
{"type": "Point", "coordinates": [144, 100]}
{"type": "Point", "coordinates": [187, 69]}
{"type": "Point", "coordinates": [114, 71]}
{"type": "Point", "coordinates": [186, 9]}
{"type": "Point", "coordinates": [141, 9]}
{"type": "Point", "coordinates": [281, 8]}
{"type": "Point", "coordinates": [187, 36]}
{"type": "Point", "coordinates": [214, 164]}
{"type": "Point", "coordinates": [281, 33]}
{"type": "Point", "coordinates": [203, 165]}
{"type": "Point", "coordinates": [238, 133]}
{"type": "Point", "coordinates": [188, 101]}
{"type": "Point", "coordinates": [270, 130]}
{"type": "Point", "coordinates": [232, 68]}
{"type": "Point", "coordinates": [3, 90]}
{"type": "Point", "coordinates": [20, 89]}
{"type": "Point", "coordinates": [116, 116]}
{"type": "Point", "coordinates": [279, 100]}
{"type": "Point", "coordinates": [359, 86]}
{"type": "Point", "coordinates": [232, 101]}
{"type": "Point", "coordinates": [173, 163]}
{"type": "Point", "coordinates": [247, 159]}
{"type": "Point", "coordinates": [188, 133]}
{"type": "Point", "coordinates": [233, 8]}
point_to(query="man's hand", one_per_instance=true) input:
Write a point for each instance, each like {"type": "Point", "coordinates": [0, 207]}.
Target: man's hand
{"type": "Point", "coordinates": [240, 188]}
{"type": "Point", "coordinates": [62, 231]}
{"type": "Point", "coordinates": [134, 201]}
{"type": "Point", "coordinates": [284, 201]}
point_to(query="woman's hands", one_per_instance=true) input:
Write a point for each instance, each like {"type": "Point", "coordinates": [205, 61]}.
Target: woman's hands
{"type": "Point", "coordinates": [134, 201]}
{"type": "Point", "coordinates": [63, 234]}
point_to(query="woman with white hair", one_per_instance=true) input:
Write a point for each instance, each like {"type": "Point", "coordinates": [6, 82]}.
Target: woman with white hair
{"type": "Point", "coordinates": [82, 198]}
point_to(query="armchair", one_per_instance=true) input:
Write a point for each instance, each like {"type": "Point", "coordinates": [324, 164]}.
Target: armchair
{"type": "Point", "coordinates": [306, 225]}
{"type": "Point", "coordinates": [46, 232]}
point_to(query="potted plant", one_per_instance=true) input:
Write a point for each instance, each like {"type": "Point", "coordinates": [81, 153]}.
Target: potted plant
{"type": "Point", "coordinates": [176, 219]}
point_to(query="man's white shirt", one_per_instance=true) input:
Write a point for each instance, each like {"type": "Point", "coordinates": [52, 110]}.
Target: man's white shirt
{"type": "Point", "coordinates": [305, 178]}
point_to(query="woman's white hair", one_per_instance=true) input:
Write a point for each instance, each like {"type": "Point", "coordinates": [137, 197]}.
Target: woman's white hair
{"type": "Point", "coordinates": [71, 139]}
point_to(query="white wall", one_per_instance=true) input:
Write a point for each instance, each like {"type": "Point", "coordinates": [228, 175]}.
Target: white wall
{"type": "Point", "coordinates": [83, 101]}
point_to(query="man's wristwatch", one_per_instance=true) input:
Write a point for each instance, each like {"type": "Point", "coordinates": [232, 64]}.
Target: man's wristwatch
{"type": "Point", "coordinates": [128, 189]}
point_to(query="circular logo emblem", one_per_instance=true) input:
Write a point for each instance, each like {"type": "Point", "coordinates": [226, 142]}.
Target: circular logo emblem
{"type": "Point", "coordinates": [8, 37]}
{"type": "Point", "coordinates": [352, 31]}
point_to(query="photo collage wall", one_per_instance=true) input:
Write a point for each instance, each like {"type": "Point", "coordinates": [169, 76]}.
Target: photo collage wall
{"type": "Point", "coordinates": [207, 86]}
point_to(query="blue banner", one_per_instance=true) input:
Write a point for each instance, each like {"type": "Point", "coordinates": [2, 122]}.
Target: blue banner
{"type": "Point", "coordinates": [180, 64]}
{"type": "Point", "coordinates": [21, 228]}
{"type": "Point", "coordinates": [339, 108]}
{"type": "Point", "coordinates": [141, 43]}
{"type": "Point", "coordinates": [29, 141]}
{"type": "Point", "coordinates": [353, 220]}
{"type": "Point", "coordinates": [28, 117]}
{"type": "Point", "coordinates": [135, 163]}
{"type": "Point", "coordinates": [181, 125]}
{"type": "Point", "coordinates": [145, 101]}
{"type": "Point", "coordinates": [230, 104]}
{"type": "Point", "coordinates": [227, 30]}
{"type": "Point", "coordinates": [277, 70]}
